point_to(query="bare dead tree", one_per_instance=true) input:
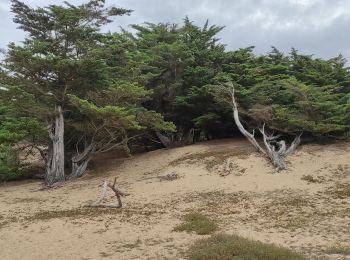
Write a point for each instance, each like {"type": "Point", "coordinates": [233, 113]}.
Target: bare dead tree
{"type": "Point", "coordinates": [99, 202]}
{"type": "Point", "coordinates": [274, 150]}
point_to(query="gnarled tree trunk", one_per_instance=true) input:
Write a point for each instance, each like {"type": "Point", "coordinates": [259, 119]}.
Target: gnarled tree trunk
{"type": "Point", "coordinates": [55, 157]}
{"type": "Point", "coordinates": [80, 161]}
{"type": "Point", "coordinates": [166, 141]}
{"type": "Point", "coordinates": [275, 155]}
{"type": "Point", "coordinates": [175, 141]}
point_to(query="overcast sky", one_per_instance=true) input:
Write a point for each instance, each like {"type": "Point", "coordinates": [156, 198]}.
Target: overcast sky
{"type": "Point", "coordinates": [320, 27]}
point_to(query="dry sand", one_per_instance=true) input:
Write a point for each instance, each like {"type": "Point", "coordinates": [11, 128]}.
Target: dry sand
{"type": "Point", "coordinates": [305, 208]}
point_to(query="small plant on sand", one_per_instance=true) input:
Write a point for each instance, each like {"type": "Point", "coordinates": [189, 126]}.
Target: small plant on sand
{"type": "Point", "coordinates": [132, 245]}
{"type": "Point", "coordinates": [310, 179]}
{"type": "Point", "coordinates": [292, 223]}
{"type": "Point", "coordinates": [338, 249]}
{"type": "Point", "coordinates": [341, 191]}
{"type": "Point", "coordinates": [229, 247]}
{"type": "Point", "coordinates": [198, 223]}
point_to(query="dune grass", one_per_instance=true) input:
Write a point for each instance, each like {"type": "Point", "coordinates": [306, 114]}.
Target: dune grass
{"type": "Point", "coordinates": [337, 249]}
{"type": "Point", "coordinates": [198, 223]}
{"type": "Point", "coordinates": [233, 247]}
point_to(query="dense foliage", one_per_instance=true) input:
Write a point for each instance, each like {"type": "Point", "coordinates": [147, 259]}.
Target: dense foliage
{"type": "Point", "coordinates": [110, 88]}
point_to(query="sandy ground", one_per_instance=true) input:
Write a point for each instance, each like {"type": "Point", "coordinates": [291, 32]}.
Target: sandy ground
{"type": "Point", "coordinates": [305, 208]}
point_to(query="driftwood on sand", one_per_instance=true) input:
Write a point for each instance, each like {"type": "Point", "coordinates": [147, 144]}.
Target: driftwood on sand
{"type": "Point", "coordinates": [99, 202]}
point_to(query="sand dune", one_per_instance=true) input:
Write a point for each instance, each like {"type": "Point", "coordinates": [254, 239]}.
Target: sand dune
{"type": "Point", "coordinates": [305, 208]}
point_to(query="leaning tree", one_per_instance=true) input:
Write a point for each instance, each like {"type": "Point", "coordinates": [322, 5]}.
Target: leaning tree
{"type": "Point", "coordinates": [273, 148]}
{"type": "Point", "coordinates": [59, 56]}
{"type": "Point", "coordinates": [110, 121]}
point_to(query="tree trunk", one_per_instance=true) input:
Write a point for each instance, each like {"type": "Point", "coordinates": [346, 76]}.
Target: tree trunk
{"type": "Point", "coordinates": [164, 140]}
{"type": "Point", "coordinates": [55, 158]}
{"type": "Point", "coordinates": [78, 168]}
{"type": "Point", "coordinates": [180, 139]}
{"type": "Point", "coordinates": [81, 161]}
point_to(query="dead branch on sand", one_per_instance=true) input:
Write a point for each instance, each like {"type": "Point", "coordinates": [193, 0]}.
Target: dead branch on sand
{"type": "Point", "coordinates": [98, 203]}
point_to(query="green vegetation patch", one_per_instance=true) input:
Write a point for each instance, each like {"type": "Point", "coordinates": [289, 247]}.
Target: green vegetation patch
{"type": "Point", "coordinates": [198, 223]}
{"type": "Point", "coordinates": [338, 249]}
{"type": "Point", "coordinates": [290, 212]}
{"type": "Point", "coordinates": [310, 179]}
{"type": "Point", "coordinates": [284, 206]}
{"type": "Point", "coordinates": [211, 159]}
{"type": "Point", "coordinates": [227, 247]}
{"type": "Point", "coordinates": [128, 215]}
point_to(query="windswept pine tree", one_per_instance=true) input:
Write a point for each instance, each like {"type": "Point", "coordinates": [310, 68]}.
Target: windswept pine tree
{"type": "Point", "coordinates": [292, 93]}
{"type": "Point", "coordinates": [62, 62]}
{"type": "Point", "coordinates": [60, 56]}
{"type": "Point", "coordinates": [177, 63]}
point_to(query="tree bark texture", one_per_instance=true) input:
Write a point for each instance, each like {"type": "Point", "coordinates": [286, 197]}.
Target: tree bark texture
{"type": "Point", "coordinates": [55, 157]}
{"type": "Point", "coordinates": [80, 161]}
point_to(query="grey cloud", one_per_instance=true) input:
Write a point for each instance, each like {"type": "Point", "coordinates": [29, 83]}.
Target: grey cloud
{"type": "Point", "coordinates": [319, 27]}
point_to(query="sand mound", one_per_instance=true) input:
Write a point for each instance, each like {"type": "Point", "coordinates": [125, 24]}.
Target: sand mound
{"type": "Point", "coordinates": [305, 208]}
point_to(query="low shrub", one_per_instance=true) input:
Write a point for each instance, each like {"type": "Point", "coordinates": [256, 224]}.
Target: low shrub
{"type": "Point", "coordinates": [233, 247]}
{"type": "Point", "coordinates": [198, 223]}
{"type": "Point", "coordinates": [339, 250]}
{"type": "Point", "coordinates": [10, 167]}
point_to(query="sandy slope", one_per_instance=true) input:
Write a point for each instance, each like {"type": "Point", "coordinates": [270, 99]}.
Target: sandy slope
{"type": "Point", "coordinates": [308, 214]}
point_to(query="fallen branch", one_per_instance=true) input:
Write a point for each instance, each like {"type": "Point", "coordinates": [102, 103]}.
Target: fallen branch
{"type": "Point", "coordinates": [98, 203]}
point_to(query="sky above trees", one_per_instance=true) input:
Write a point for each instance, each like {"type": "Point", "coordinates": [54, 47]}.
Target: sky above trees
{"type": "Point", "coordinates": [311, 26]}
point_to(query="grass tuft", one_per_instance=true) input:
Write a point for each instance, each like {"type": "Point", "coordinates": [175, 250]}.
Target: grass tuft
{"type": "Point", "coordinates": [227, 247]}
{"type": "Point", "coordinates": [310, 179]}
{"type": "Point", "coordinates": [198, 223]}
{"type": "Point", "coordinates": [337, 249]}
{"type": "Point", "coordinates": [212, 159]}
{"type": "Point", "coordinates": [135, 244]}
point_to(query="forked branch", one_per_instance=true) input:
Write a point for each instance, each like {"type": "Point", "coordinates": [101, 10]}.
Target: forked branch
{"type": "Point", "coordinates": [99, 202]}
